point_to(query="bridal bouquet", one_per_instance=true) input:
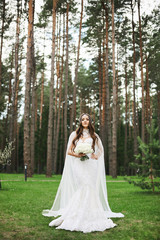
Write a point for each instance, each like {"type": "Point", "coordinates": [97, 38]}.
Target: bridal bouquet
{"type": "Point", "coordinates": [84, 148]}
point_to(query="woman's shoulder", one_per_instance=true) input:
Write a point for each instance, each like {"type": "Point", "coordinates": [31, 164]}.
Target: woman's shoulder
{"type": "Point", "coordinates": [96, 134]}
{"type": "Point", "coordinates": [73, 134]}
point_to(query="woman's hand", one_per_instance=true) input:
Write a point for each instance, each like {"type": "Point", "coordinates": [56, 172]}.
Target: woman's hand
{"type": "Point", "coordinates": [72, 153]}
{"type": "Point", "coordinates": [94, 156]}
{"type": "Point", "coordinates": [79, 155]}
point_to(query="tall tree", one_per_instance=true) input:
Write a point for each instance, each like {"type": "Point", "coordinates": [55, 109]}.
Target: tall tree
{"type": "Point", "coordinates": [2, 34]}
{"type": "Point", "coordinates": [108, 122]}
{"type": "Point", "coordinates": [66, 82]}
{"type": "Point", "coordinates": [13, 125]}
{"type": "Point", "coordinates": [100, 86]}
{"type": "Point", "coordinates": [126, 120]}
{"type": "Point", "coordinates": [103, 125]}
{"type": "Point", "coordinates": [114, 109]}
{"type": "Point", "coordinates": [134, 83]}
{"type": "Point", "coordinates": [73, 112]}
{"type": "Point", "coordinates": [147, 101]}
{"type": "Point", "coordinates": [60, 103]}
{"type": "Point", "coordinates": [33, 106]}
{"type": "Point", "coordinates": [29, 73]}
{"type": "Point", "coordinates": [142, 80]}
{"type": "Point", "coordinates": [50, 119]}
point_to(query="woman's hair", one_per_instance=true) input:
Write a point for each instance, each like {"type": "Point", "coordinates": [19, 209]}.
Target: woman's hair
{"type": "Point", "coordinates": [79, 131]}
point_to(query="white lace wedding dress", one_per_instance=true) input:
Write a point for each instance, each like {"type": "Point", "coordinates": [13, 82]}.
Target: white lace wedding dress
{"type": "Point", "coordinates": [85, 209]}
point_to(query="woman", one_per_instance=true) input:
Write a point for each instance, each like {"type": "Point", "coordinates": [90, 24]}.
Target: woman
{"type": "Point", "coordinates": [81, 199]}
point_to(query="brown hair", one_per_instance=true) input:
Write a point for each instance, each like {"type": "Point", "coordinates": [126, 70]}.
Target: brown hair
{"type": "Point", "coordinates": [79, 131]}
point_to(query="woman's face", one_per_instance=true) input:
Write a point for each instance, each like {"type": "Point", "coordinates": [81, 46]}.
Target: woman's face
{"type": "Point", "coordinates": [85, 121]}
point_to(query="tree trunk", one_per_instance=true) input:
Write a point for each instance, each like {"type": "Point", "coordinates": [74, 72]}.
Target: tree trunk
{"type": "Point", "coordinates": [103, 127]}
{"type": "Point", "coordinates": [147, 105]}
{"type": "Point", "coordinates": [142, 81]}
{"type": "Point", "coordinates": [13, 130]}
{"type": "Point", "coordinates": [129, 125]}
{"type": "Point", "coordinates": [59, 108]}
{"type": "Point", "coordinates": [2, 32]}
{"type": "Point", "coordinates": [50, 119]}
{"type": "Point", "coordinates": [57, 87]}
{"type": "Point", "coordinates": [10, 80]}
{"type": "Point", "coordinates": [27, 156]}
{"type": "Point", "coordinates": [108, 122]}
{"type": "Point", "coordinates": [147, 102]}
{"type": "Point", "coordinates": [8, 126]}
{"type": "Point", "coordinates": [17, 147]}
{"type": "Point", "coordinates": [100, 88]}
{"type": "Point", "coordinates": [114, 109]}
{"type": "Point", "coordinates": [134, 85]}
{"type": "Point", "coordinates": [56, 99]}
{"type": "Point", "coordinates": [126, 121]}
{"type": "Point", "coordinates": [42, 94]}
{"type": "Point", "coordinates": [33, 111]}
{"type": "Point", "coordinates": [158, 99]}
{"type": "Point", "coordinates": [66, 86]}
{"type": "Point", "coordinates": [61, 161]}
{"type": "Point", "coordinates": [72, 117]}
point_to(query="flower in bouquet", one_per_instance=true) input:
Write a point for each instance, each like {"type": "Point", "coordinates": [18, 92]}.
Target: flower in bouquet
{"type": "Point", "coordinates": [84, 148]}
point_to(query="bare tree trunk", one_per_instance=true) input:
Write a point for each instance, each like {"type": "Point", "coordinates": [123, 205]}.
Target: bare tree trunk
{"type": "Point", "coordinates": [147, 105]}
{"type": "Point", "coordinates": [100, 88]}
{"type": "Point", "coordinates": [108, 122]}
{"type": "Point", "coordinates": [13, 125]}
{"type": "Point", "coordinates": [126, 121]}
{"type": "Point", "coordinates": [27, 153]}
{"type": "Point", "coordinates": [114, 109]}
{"type": "Point", "coordinates": [33, 112]}
{"type": "Point", "coordinates": [147, 102]}
{"type": "Point", "coordinates": [103, 127]}
{"type": "Point", "coordinates": [9, 130]}
{"type": "Point", "coordinates": [57, 87]}
{"type": "Point", "coordinates": [60, 167]}
{"type": "Point", "coordinates": [55, 112]}
{"type": "Point", "coordinates": [158, 99]}
{"type": "Point", "coordinates": [134, 85]}
{"type": "Point", "coordinates": [10, 82]}
{"type": "Point", "coordinates": [17, 148]}
{"type": "Point", "coordinates": [66, 85]}
{"type": "Point", "coordinates": [137, 120]}
{"type": "Point", "coordinates": [129, 125]}
{"type": "Point", "coordinates": [42, 94]}
{"type": "Point", "coordinates": [50, 119]}
{"type": "Point", "coordinates": [72, 118]}
{"type": "Point", "coordinates": [142, 81]}
{"type": "Point", "coordinates": [2, 32]}
{"type": "Point", "coordinates": [59, 107]}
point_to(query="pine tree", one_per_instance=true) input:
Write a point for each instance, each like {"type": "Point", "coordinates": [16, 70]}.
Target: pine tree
{"type": "Point", "coordinates": [149, 168]}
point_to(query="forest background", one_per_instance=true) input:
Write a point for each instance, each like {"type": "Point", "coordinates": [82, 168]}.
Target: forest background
{"type": "Point", "coordinates": [69, 57]}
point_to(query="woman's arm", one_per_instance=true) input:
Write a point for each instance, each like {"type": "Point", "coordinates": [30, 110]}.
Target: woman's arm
{"type": "Point", "coordinates": [99, 148]}
{"type": "Point", "coordinates": [94, 156]}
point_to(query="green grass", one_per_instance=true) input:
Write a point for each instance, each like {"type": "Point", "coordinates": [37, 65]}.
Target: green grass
{"type": "Point", "coordinates": [21, 204]}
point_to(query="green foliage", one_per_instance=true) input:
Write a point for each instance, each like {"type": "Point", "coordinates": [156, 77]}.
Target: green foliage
{"type": "Point", "coordinates": [148, 164]}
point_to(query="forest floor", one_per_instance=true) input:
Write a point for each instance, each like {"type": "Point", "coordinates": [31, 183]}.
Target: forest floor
{"type": "Point", "coordinates": [21, 204]}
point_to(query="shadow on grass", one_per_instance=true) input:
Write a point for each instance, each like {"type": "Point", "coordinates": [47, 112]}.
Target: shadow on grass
{"type": "Point", "coordinates": [147, 192]}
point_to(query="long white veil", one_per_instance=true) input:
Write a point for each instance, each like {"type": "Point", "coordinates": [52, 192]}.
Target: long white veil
{"type": "Point", "coordinates": [68, 187]}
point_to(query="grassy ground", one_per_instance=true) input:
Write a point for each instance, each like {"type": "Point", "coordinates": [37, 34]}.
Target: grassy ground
{"type": "Point", "coordinates": [21, 204]}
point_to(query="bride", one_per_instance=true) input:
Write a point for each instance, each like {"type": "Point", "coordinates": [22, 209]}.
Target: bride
{"type": "Point", "coordinates": [81, 200]}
